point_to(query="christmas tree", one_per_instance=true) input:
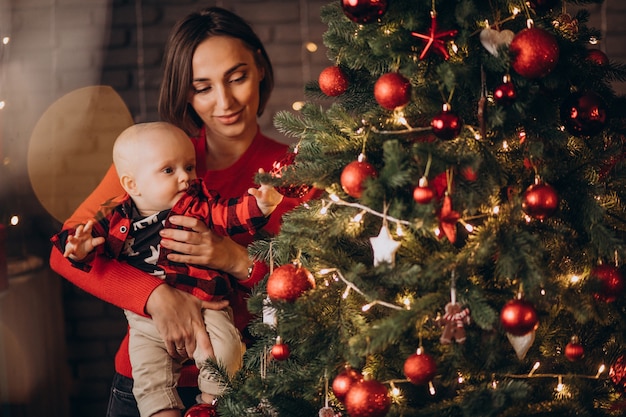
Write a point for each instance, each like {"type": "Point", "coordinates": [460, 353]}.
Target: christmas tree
{"type": "Point", "coordinates": [465, 255]}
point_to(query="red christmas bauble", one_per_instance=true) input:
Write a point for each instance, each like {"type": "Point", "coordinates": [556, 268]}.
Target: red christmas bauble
{"type": "Point", "coordinates": [574, 350]}
{"type": "Point", "coordinates": [423, 194]}
{"type": "Point", "coordinates": [202, 410]}
{"type": "Point", "coordinates": [540, 201]}
{"type": "Point", "coordinates": [446, 125]}
{"type": "Point", "coordinates": [280, 351]}
{"type": "Point", "coordinates": [288, 282]}
{"type": "Point", "coordinates": [617, 373]}
{"type": "Point", "coordinates": [535, 53]}
{"type": "Point", "coordinates": [392, 90]}
{"type": "Point", "coordinates": [344, 381]}
{"type": "Point", "coordinates": [333, 81]}
{"type": "Point", "coordinates": [505, 94]}
{"type": "Point", "coordinates": [518, 317]}
{"type": "Point", "coordinates": [584, 113]}
{"type": "Point", "coordinates": [353, 176]}
{"type": "Point", "coordinates": [611, 282]}
{"type": "Point", "coordinates": [420, 368]}
{"type": "Point", "coordinates": [597, 56]}
{"type": "Point", "coordinates": [278, 170]}
{"type": "Point", "coordinates": [367, 398]}
{"type": "Point", "coordinates": [364, 11]}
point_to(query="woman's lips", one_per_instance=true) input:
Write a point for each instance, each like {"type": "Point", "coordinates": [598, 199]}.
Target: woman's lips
{"type": "Point", "coordinates": [229, 119]}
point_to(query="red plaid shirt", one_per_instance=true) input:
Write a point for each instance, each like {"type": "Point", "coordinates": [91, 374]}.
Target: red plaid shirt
{"type": "Point", "coordinates": [226, 217]}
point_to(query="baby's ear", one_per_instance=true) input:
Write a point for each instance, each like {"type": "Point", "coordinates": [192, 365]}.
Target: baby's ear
{"type": "Point", "coordinates": [129, 184]}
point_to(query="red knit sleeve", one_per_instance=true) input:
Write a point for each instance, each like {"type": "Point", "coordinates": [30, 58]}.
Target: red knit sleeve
{"type": "Point", "coordinates": [110, 280]}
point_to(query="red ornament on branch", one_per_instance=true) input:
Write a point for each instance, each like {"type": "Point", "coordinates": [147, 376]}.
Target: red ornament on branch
{"type": "Point", "coordinates": [610, 282]}
{"type": "Point", "coordinates": [518, 317]}
{"type": "Point", "coordinates": [354, 175]}
{"type": "Point", "coordinates": [535, 53]}
{"type": "Point", "coordinates": [446, 125]}
{"type": "Point", "coordinates": [574, 350]}
{"type": "Point", "coordinates": [333, 81]}
{"type": "Point", "coordinates": [202, 410]}
{"type": "Point", "coordinates": [597, 57]}
{"type": "Point", "coordinates": [584, 113]}
{"type": "Point", "coordinates": [278, 170]}
{"type": "Point", "coordinates": [280, 351]}
{"type": "Point", "coordinates": [540, 201]}
{"type": "Point", "coordinates": [363, 11]}
{"type": "Point", "coordinates": [617, 373]}
{"type": "Point", "coordinates": [368, 398]}
{"type": "Point", "coordinates": [434, 39]}
{"type": "Point", "coordinates": [344, 381]}
{"type": "Point", "coordinates": [505, 94]}
{"type": "Point", "coordinates": [288, 282]}
{"type": "Point", "coordinates": [423, 194]}
{"type": "Point", "coordinates": [420, 368]}
{"type": "Point", "coordinates": [392, 90]}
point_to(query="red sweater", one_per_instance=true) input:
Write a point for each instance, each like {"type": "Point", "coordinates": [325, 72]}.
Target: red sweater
{"type": "Point", "coordinates": [125, 286]}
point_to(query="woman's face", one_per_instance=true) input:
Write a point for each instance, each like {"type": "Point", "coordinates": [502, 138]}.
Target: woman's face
{"type": "Point", "coordinates": [225, 88]}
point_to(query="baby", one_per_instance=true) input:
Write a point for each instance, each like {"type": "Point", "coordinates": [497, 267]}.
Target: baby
{"type": "Point", "coordinates": [156, 166]}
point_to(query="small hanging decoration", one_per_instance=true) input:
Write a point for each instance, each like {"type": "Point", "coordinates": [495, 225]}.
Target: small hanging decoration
{"type": "Point", "coordinates": [574, 350]}
{"type": "Point", "coordinates": [584, 113]}
{"type": "Point", "coordinates": [344, 381]}
{"type": "Point", "coordinates": [493, 40]}
{"type": "Point", "coordinates": [609, 281]}
{"type": "Point", "coordinates": [448, 217]}
{"type": "Point", "coordinates": [617, 373]}
{"type": "Point", "coordinates": [423, 194]}
{"type": "Point", "coordinates": [597, 57]}
{"type": "Point", "coordinates": [280, 351]}
{"type": "Point", "coordinates": [446, 125]}
{"type": "Point", "coordinates": [384, 246]}
{"type": "Point", "coordinates": [333, 81]}
{"type": "Point", "coordinates": [521, 344]}
{"type": "Point", "coordinates": [454, 319]}
{"type": "Point", "coordinates": [278, 170]}
{"type": "Point", "coordinates": [392, 91]}
{"type": "Point", "coordinates": [505, 93]}
{"type": "Point", "coordinates": [435, 40]}
{"type": "Point", "coordinates": [354, 175]}
{"type": "Point", "coordinates": [540, 200]}
{"type": "Point", "coordinates": [567, 26]}
{"type": "Point", "coordinates": [364, 11]}
{"type": "Point", "coordinates": [420, 368]}
{"type": "Point", "coordinates": [520, 321]}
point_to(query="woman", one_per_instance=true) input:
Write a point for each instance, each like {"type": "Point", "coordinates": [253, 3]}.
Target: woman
{"type": "Point", "coordinates": [217, 80]}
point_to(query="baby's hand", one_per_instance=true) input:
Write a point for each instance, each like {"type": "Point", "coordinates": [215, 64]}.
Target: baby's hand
{"type": "Point", "coordinates": [81, 243]}
{"type": "Point", "coordinates": [267, 198]}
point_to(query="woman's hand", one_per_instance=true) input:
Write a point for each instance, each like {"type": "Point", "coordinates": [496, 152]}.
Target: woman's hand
{"type": "Point", "coordinates": [178, 318]}
{"type": "Point", "coordinates": [201, 246]}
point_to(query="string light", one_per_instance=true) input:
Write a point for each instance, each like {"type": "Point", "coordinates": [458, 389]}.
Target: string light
{"type": "Point", "coordinates": [351, 286]}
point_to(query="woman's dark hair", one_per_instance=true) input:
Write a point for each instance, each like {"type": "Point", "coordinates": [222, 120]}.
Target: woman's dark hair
{"type": "Point", "coordinates": [185, 37]}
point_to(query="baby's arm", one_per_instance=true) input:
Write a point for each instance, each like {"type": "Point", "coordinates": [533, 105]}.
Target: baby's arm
{"type": "Point", "coordinates": [267, 198]}
{"type": "Point", "coordinates": [81, 243]}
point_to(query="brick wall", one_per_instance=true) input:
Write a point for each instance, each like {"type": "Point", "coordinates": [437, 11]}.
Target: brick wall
{"type": "Point", "coordinates": [60, 46]}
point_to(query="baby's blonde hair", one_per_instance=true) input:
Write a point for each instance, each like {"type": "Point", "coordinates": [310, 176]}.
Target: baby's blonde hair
{"type": "Point", "coordinates": [128, 145]}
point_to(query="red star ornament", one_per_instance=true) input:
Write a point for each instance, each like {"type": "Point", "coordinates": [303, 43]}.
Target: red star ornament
{"type": "Point", "coordinates": [434, 39]}
{"type": "Point", "coordinates": [448, 219]}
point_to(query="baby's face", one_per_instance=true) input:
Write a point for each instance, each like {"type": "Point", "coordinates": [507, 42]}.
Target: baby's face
{"type": "Point", "coordinates": [164, 171]}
